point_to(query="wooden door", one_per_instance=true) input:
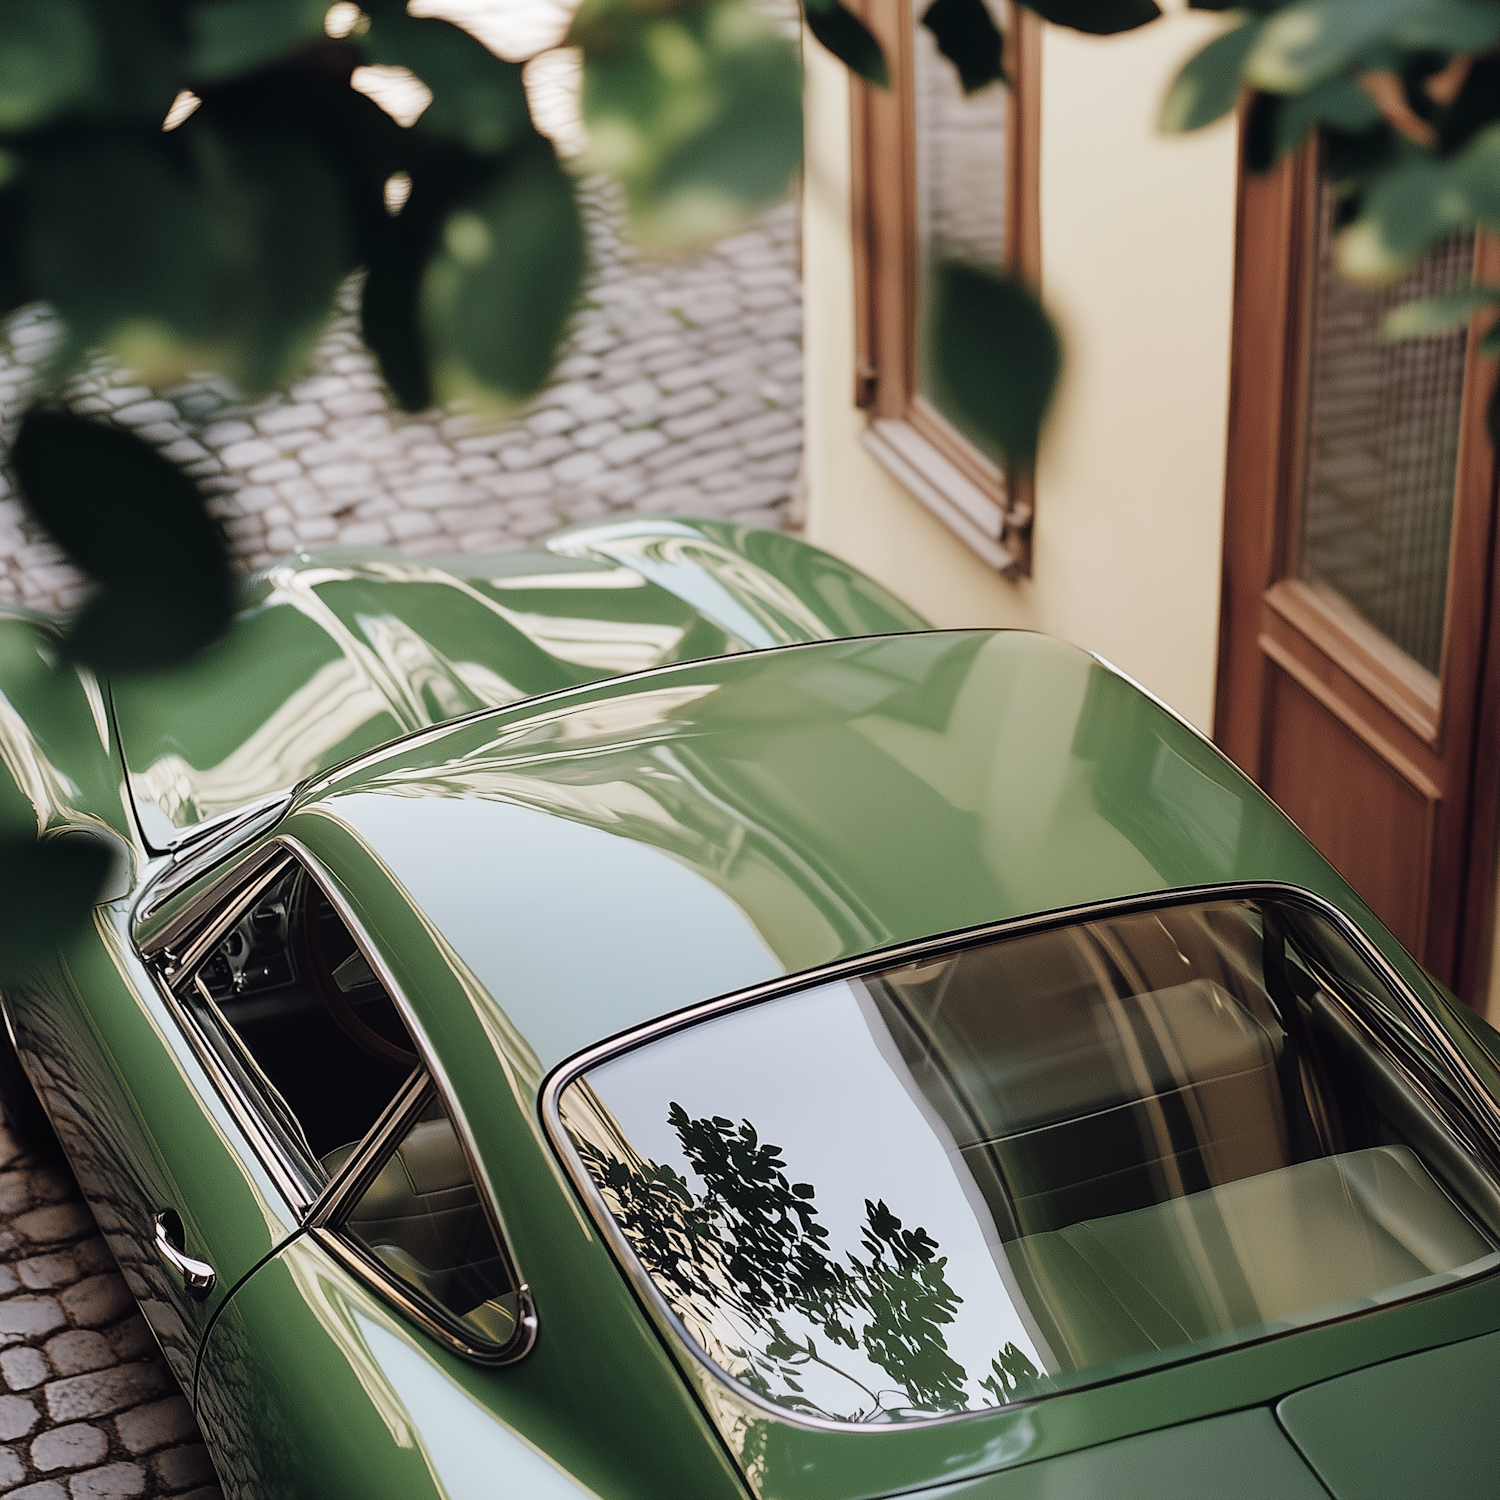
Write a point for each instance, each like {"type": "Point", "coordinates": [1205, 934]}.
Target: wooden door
{"type": "Point", "coordinates": [1359, 537]}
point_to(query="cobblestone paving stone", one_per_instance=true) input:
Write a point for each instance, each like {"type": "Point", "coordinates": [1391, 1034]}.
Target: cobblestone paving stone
{"type": "Point", "coordinates": [680, 390]}
{"type": "Point", "coordinates": [89, 1410]}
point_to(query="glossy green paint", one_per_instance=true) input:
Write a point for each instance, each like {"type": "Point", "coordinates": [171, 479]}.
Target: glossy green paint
{"type": "Point", "coordinates": [1401, 1428]}
{"type": "Point", "coordinates": [312, 1388]}
{"type": "Point", "coordinates": [599, 1393]}
{"type": "Point", "coordinates": [94, 1031]}
{"type": "Point", "coordinates": [546, 876]}
{"type": "Point", "coordinates": [339, 651]}
{"type": "Point", "coordinates": [1245, 1456]}
{"type": "Point", "coordinates": [57, 743]}
{"type": "Point", "coordinates": [101, 1045]}
{"type": "Point", "coordinates": [723, 823]}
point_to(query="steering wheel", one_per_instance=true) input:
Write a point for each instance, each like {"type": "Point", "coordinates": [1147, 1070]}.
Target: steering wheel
{"type": "Point", "coordinates": [335, 1002]}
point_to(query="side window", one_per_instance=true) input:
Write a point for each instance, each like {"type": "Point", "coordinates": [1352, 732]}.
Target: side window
{"type": "Point", "coordinates": [423, 1219]}
{"type": "Point", "coordinates": [300, 1021]}
{"type": "Point", "coordinates": [313, 1044]}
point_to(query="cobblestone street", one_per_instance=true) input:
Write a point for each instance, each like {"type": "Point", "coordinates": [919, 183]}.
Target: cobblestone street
{"type": "Point", "coordinates": [91, 1412]}
{"type": "Point", "coordinates": [680, 390]}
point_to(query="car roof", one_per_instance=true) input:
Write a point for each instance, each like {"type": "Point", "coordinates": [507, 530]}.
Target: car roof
{"type": "Point", "coordinates": [611, 854]}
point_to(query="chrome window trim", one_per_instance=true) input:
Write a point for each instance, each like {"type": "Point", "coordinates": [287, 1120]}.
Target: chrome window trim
{"type": "Point", "coordinates": [349, 1185]}
{"type": "Point", "coordinates": [370, 1154]}
{"type": "Point", "coordinates": [526, 1327]}
{"type": "Point", "coordinates": [204, 922]}
{"type": "Point", "coordinates": [1479, 1105]}
{"type": "Point", "coordinates": [167, 973]}
{"type": "Point", "coordinates": [427, 1315]}
{"type": "Point", "coordinates": [274, 1111]}
{"type": "Point", "coordinates": [184, 933]}
{"type": "Point", "coordinates": [204, 846]}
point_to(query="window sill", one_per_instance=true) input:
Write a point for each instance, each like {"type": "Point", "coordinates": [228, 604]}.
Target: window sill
{"type": "Point", "coordinates": [977, 518]}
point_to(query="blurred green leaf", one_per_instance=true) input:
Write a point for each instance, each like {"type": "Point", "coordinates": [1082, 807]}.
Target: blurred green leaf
{"type": "Point", "coordinates": [848, 38]}
{"type": "Point", "coordinates": [237, 36]}
{"type": "Point", "coordinates": [995, 359]}
{"type": "Point", "coordinates": [390, 307]}
{"type": "Point", "coordinates": [1208, 87]}
{"type": "Point", "coordinates": [1440, 314]}
{"type": "Point", "coordinates": [1303, 43]}
{"type": "Point", "coordinates": [698, 111]}
{"type": "Point", "coordinates": [478, 99]}
{"type": "Point", "coordinates": [277, 205]}
{"type": "Point", "coordinates": [1448, 26]}
{"type": "Point", "coordinates": [1410, 208]}
{"type": "Point", "coordinates": [1477, 105]}
{"type": "Point", "coordinates": [968, 37]}
{"type": "Point", "coordinates": [498, 294]}
{"type": "Point", "coordinates": [141, 44]}
{"type": "Point", "coordinates": [1476, 171]}
{"type": "Point", "coordinates": [1336, 101]}
{"type": "Point", "coordinates": [15, 284]}
{"type": "Point", "coordinates": [136, 525]}
{"type": "Point", "coordinates": [47, 890]}
{"type": "Point", "coordinates": [390, 319]}
{"type": "Point", "coordinates": [1489, 347]}
{"type": "Point", "coordinates": [311, 98]}
{"type": "Point", "coordinates": [1097, 17]}
{"type": "Point", "coordinates": [1407, 211]}
{"type": "Point", "coordinates": [48, 59]}
{"type": "Point", "coordinates": [118, 239]}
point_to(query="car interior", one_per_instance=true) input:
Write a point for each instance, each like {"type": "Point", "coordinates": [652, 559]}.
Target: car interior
{"type": "Point", "coordinates": [301, 1022]}
{"type": "Point", "coordinates": [1182, 1131]}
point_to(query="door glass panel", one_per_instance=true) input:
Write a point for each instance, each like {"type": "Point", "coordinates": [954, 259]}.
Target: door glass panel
{"type": "Point", "coordinates": [422, 1218]}
{"type": "Point", "coordinates": [300, 1021]}
{"type": "Point", "coordinates": [1382, 449]}
{"type": "Point", "coordinates": [961, 162]}
{"type": "Point", "coordinates": [1033, 1164]}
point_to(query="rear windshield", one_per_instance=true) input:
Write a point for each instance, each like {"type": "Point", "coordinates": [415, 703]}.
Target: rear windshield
{"type": "Point", "coordinates": [1042, 1162]}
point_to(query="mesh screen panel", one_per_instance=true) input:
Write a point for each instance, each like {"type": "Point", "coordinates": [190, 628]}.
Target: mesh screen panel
{"type": "Point", "coordinates": [1382, 449]}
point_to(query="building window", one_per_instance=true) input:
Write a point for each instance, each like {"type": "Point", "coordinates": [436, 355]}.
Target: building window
{"type": "Point", "coordinates": [938, 176]}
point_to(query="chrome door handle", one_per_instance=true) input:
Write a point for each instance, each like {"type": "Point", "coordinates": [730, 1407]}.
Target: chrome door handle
{"type": "Point", "coordinates": [198, 1276]}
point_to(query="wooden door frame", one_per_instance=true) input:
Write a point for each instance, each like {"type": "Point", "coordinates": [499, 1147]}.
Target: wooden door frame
{"type": "Point", "coordinates": [1264, 613]}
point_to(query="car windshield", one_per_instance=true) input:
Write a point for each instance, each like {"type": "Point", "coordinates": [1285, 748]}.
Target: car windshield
{"type": "Point", "coordinates": [1044, 1161]}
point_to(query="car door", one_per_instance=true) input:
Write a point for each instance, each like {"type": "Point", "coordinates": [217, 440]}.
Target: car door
{"type": "Point", "coordinates": [147, 1132]}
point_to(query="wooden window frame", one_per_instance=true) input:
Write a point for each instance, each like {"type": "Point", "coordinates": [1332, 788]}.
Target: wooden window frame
{"type": "Point", "coordinates": [989, 508]}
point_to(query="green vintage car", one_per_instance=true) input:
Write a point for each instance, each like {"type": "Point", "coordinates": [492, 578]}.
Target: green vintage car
{"type": "Point", "coordinates": [643, 1018]}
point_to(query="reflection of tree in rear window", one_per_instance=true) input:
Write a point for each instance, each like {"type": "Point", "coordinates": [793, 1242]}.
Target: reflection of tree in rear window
{"type": "Point", "coordinates": [1036, 1163]}
{"type": "Point", "coordinates": [748, 1262]}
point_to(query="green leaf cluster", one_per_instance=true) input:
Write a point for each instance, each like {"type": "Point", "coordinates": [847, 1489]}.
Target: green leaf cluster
{"type": "Point", "coordinates": [1406, 97]}
{"type": "Point", "coordinates": [221, 244]}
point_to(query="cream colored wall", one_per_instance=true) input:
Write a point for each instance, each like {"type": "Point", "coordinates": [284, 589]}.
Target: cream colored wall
{"type": "Point", "coordinates": [1137, 265]}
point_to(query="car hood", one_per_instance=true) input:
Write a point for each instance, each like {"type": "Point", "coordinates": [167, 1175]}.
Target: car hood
{"type": "Point", "coordinates": [338, 651]}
